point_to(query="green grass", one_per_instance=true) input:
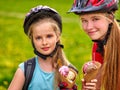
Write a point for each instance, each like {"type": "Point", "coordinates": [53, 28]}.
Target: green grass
{"type": "Point", "coordinates": [15, 47]}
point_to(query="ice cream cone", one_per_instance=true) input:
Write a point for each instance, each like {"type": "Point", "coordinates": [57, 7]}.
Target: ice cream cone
{"type": "Point", "coordinates": [70, 78]}
{"type": "Point", "coordinates": [67, 75]}
{"type": "Point", "coordinates": [90, 70]}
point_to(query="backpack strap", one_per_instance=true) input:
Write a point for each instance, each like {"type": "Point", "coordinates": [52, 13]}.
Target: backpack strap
{"type": "Point", "coordinates": [29, 67]}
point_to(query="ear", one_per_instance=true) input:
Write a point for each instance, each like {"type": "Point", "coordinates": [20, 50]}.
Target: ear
{"type": "Point", "coordinates": [111, 17]}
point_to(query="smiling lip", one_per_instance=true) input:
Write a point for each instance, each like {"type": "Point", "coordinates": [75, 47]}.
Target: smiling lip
{"type": "Point", "coordinates": [45, 48]}
{"type": "Point", "coordinates": [91, 32]}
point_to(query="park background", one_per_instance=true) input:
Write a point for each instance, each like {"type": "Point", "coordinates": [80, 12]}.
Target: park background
{"type": "Point", "coordinates": [15, 47]}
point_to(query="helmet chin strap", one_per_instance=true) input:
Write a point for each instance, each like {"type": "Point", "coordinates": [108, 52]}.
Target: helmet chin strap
{"type": "Point", "coordinates": [44, 57]}
{"type": "Point", "coordinates": [103, 42]}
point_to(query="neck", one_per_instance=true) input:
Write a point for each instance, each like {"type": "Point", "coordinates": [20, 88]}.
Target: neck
{"type": "Point", "coordinates": [48, 60]}
{"type": "Point", "coordinates": [46, 65]}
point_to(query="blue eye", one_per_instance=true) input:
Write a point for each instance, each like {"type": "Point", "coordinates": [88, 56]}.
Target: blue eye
{"type": "Point", "coordinates": [84, 21]}
{"type": "Point", "coordinates": [95, 19]}
{"type": "Point", "coordinates": [38, 37]}
{"type": "Point", "coordinates": [49, 36]}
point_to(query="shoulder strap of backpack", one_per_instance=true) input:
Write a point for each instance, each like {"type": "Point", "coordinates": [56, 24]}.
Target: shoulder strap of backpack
{"type": "Point", "coordinates": [29, 67]}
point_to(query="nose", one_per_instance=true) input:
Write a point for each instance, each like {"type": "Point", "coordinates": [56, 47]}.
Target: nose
{"type": "Point", "coordinates": [44, 41]}
{"type": "Point", "coordinates": [89, 25]}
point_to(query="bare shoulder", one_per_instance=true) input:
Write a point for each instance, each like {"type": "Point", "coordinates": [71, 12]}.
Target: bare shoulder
{"type": "Point", "coordinates": [17, 81]}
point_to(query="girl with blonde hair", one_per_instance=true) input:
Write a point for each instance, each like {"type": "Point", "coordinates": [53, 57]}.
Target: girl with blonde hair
{"type": "Point", "coordinates": [43, 25]}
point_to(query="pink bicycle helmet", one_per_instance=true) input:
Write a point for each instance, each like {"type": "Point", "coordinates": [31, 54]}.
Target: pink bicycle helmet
{"type": "Point", "coordinates": [40, 12]}
{"type": "Point", "coordinates": [87, 6]}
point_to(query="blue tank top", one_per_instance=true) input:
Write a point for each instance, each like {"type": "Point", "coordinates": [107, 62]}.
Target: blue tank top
{"type": "Point", "coordinates": [41, 80]}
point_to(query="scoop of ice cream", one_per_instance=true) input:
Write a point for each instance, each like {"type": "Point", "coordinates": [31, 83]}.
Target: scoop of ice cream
{"type": "Point", "coordinates": [89, 66]}
{"type": "Point", "coordinates": [64, 70]}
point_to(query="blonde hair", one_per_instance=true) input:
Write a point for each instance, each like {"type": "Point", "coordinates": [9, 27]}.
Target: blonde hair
{"type": "Point", "coordinates": [59, 56]}
{"type": "Point", "coordinates": [111, 59]}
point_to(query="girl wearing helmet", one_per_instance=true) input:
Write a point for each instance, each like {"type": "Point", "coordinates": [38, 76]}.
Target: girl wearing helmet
{"type": "Point", "coordinates": [99, 23]}
{"type": "Point", "coordinates": [43, 26]}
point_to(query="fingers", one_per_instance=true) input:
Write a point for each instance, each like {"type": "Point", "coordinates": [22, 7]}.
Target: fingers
{"type": "Point", "coordinates": [94, 81]}
{"type": "Point", "coordinates": [89, 85]}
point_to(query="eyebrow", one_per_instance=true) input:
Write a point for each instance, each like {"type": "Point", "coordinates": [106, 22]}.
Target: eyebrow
{"type": "Point", "coordinates": [95, 16]}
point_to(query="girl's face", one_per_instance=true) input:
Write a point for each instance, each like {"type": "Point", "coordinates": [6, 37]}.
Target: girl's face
{"type": "Point", "coordinates": [44, 37]}
{"type": "Point", "coordinates": [95, 25]}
